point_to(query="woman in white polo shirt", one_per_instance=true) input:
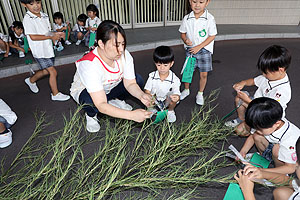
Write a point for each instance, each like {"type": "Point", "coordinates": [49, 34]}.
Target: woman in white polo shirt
{"type": "Point", "coordinates": [106, 75]}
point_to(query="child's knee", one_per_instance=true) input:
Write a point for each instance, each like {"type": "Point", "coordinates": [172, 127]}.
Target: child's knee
{"type": "Point", "coordinates": [203, 75]}
{"type": "Point", "coordinates": [52, 71]}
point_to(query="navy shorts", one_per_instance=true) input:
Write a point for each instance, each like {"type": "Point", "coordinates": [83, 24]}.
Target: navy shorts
{"type": "Point", "coordinates": [268, 154]}
{"type": "Point", "coordinates": [45, 63]}
{"type": "Point", "coordinates": [3, 121]}
{"type": "Point", "coordinates": [203, 59]}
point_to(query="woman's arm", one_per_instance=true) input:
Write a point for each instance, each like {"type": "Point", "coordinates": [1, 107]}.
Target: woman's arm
{"type": "Point", "coordinates": [133, 88]}
{"type": "Point", "coordinates": [100, 101]}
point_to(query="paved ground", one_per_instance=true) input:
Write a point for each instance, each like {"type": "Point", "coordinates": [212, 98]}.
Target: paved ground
{"type": "Point", "coordinates": [233, 61]}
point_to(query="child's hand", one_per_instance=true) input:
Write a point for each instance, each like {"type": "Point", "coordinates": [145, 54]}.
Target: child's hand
{"type": "Point", "coordinates": [253, 172]}
{"type": "Point", "coordinates": [243, 154]}
{"type": "Point", "coordinates": [6, 55]}
{"type": "Point", "coordinates": [21, 49]}
{"type": "Point", "coordinates": [174, 97]}
{"type": "Point", "coordinates": [195, 49]}
{"type": "Point", "coordinates": [238, 86]}
{"type": "Point", "coordinates": [243, 96]}
{"type": "Point", "coordinates": [188, 42]}
{"type": "Point", "coordinates": [245, 183]}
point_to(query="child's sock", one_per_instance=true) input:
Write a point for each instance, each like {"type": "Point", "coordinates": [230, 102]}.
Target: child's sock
{"type": "Point", "coordinates": [200, 93]}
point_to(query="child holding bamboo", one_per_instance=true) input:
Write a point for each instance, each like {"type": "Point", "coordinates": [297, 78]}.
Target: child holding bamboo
{"type": "Point", "coordinates": [163, 83]}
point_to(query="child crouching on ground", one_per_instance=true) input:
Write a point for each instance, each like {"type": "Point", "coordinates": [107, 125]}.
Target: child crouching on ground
{"type": "Point", "coordinates": [60, 26]}
{"type": "Point", "coordinates": [275, 137]}
{"type": "Point", "coordinates": [4, 46]}
{"type": "Point", "coordinates": [79, 28]}
{"type": "Point", "coordinates": [17, 38]}
{"type": "Point", "coordinates": [163, 83]}
{"type": "Point", "coordinates": [289, 191]}
{"type": "Point", "coordinates": [273, 83]}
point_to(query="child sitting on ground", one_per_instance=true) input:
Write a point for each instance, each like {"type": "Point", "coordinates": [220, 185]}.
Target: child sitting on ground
{"type": "Point", "coordinates": [288, 191]}
{"type": "Point", "coordinates": [79, 28]}
{"type": "Point", "coordinates": [163, 83]}
{"type": "Point", "coordinates": [198, 31]}
{"type": "Point", "coordinates": [4, 46]}
{"type": "Point", "coordinates": [92, 22]}
{"type": "Point", "coordinates": [7, 119]}
{"type": "Point", "coordinates": [17, 38]}
{"type": "Point", "coordinates": [273, 83]}
{"type": "Point", "coordinates": [275, 137]}
{"type": "Point", "coordinates": [60, 26]}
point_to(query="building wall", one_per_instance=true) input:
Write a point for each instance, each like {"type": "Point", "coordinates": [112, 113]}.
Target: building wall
{"type": "Point", "coordinates": [271, 12]}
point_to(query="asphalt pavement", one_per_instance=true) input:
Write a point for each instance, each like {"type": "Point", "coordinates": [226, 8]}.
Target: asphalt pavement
{"type": "Point", "coordinates": [232, 61]}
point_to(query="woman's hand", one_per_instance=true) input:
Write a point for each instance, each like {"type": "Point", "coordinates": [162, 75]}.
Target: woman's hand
{"type": "Point", "coordinates": [146, 99]}
{"type": "Point", "coordinates": [139, 115]}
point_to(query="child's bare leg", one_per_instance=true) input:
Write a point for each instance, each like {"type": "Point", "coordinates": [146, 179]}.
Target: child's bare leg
{"type": "Point", "coordinates": [261, 142]}
{"type": "Point", "coordinates": [186, 86]}
{"type": "Point", "coordinates": [80, 36]}
{"type": "Point", "coordinates": [38, 75]}
{"type": "Point", "coordinates": [242, 129]}
{"type": "Point", "coordinates": [172, 105]}
{"type": "Point", "coordinates": [282, 193]}
{"type": "Point", "coordinates": [203, 80]}
{"type": "Point", "coordinates": [2, 128]}
{"type": "Point", "coordinates": [275, 152]}
{"type": "Point", "coordinates": [52, 80]}
{"type": "Point", "coordinates": [2, 45]}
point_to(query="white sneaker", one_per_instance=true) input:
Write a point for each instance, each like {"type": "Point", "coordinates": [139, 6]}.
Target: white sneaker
{"type": "Point", "coordinates": [92, 124]}
{"type": "Point", "coordinates": [233, 123]}
{"type": "Point", "coordinates": [78, 42]}
{"type": "Point", "coordinates": [199, 99]}
{"type": "Point", "coordinates": [67, 42]}
{"type": "Point", "coordinates": [6, 139]}
{"type": "Point", "coordinates": [60, 48]}
{"type": "Point", "coordinates": [32, 86]}
{"type": "Point", "coordinates": [171, 116]}
{"type": "Point", "coordinates": [184, 94]}
{"type": "Point", "coordinates": [60, 97]}
{"type": "Point", "coordinates": [120, 104]}
{"type": "Point", "coordinates": [21, 54]}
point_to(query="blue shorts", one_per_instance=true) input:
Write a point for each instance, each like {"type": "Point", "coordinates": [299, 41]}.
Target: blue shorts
{"type": "Point", "coordinates": [45, 63]}
{"type": "Point", "coordinates": [203, 59]}
{"type": "Point", "coordinates": [3, 121]}
{"type": "Point", "coordinates": [268, 154]}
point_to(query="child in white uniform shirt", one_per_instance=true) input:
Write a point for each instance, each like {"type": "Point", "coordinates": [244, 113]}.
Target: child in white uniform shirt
{"type": "Point", "coordinates": [275, 137]}
{"type": "Point", "coordinates": [17, 38]}
{"type": "Point", "coordinates": [79, 28]}
{"type": "Point", "coordinates": [273, 83]}
{"type": "Point", "coordinates": [92, 22]}
{"type": "Point", "coordinates": [7, 119]}
{"type": "Point", "coordinates": [198, 31]}
{"type": "Point", "coordinates": [60, 26]}
{"type": "Point", "coordinates": [163, 83]}
{"type": "Point", "coordinates": [4, 46]}
{"type": "Point", "coordinates": [290, 189]}
{"type": "Point", "coordinates": [37, 28]}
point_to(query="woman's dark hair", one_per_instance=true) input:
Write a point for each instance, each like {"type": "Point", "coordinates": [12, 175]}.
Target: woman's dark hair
{"type": "Point", "coordinates": [58, 15]}
{"type": "Point", "coordinates": [108, 29]}
{"type": "Point", "coordinates": [93, 8]}
{"type": "Point", "coordinates": [82, 18]}
{"type": "Point", "coordinates": [16, 24]}
{"type": "Point", "coordinates": [163, 54]}
{"type": "Point", "coordinates": [273, 58]}
{"type": "Point", "coordinates": [263, 112]}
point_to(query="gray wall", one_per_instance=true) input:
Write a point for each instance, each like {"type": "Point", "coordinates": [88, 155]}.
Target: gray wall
{"type": "Point", "coordinates": [272, 12]}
